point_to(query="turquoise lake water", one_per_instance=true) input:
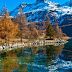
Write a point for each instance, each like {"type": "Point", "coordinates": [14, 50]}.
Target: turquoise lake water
{"type": "Point", "coordinates": [38, 59]}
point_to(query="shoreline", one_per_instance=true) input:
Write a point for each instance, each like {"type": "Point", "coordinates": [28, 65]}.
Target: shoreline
{"type": "Point", "coordinates": [17, 45]}
{"type": "Point", "coordinates": [66, 38]}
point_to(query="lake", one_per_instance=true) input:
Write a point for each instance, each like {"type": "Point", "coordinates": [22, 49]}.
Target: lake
{"type": "Point", "coordinates": [47, 58]}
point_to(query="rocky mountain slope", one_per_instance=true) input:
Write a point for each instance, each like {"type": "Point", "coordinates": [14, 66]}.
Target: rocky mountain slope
{"type": "Point", "coordinates": [38, 10]}
{"type": "Point", "coordinates": [66, 25]}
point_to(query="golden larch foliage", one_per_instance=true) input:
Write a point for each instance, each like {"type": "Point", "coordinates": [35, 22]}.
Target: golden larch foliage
{"type": "Point", "coordinates": [7, 28]}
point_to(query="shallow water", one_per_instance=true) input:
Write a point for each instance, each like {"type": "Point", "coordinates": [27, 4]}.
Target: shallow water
{"type": "Point", "coordinates": [38, 59]}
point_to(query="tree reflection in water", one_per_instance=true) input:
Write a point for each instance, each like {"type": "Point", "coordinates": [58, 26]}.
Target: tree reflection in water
{"type": "Point", "coordinates": [22, 60]}
{"type": "Point", "coordinates": [8, 61]}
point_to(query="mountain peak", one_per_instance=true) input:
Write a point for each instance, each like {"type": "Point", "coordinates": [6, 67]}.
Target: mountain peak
{"type": "Point", "coordinates": [40, 1]}
{"type": "Point", "coordinates": [37, 11]}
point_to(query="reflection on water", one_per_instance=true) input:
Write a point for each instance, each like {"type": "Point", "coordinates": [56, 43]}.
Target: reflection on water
{"type": "Point", "coordinates": [67, 51]}
{"type": "Point", "coordinates": [36, 59]}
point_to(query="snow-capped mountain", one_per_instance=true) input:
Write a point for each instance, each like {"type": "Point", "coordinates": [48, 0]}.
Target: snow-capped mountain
{"type": "Point", "coordinates": [37, 11]}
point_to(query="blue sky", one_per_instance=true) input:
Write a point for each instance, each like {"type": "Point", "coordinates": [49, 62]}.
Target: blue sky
{"type": "Point", "coordinates": [12, 4]}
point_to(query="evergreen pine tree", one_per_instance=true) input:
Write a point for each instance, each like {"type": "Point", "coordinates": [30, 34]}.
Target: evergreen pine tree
{"type": "Point", "coordinates": [49, 30]}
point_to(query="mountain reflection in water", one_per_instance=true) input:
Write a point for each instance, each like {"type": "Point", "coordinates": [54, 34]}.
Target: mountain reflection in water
{"type": "Point", "coordinates": [38, 59]}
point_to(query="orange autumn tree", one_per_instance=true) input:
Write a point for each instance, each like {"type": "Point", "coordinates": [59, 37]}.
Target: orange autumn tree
{"type": "Point", "coordinates": [7, 28]}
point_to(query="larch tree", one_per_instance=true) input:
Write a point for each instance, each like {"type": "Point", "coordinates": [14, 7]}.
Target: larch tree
{"type": "Point", "coordinates": [7, 28]}
{"type": "Point", "coordinates": [57, 29]}
{"type": "Point", "coordinates": [47, 21]}
{"type": "Point", "coordinates": [21, 20]}
{"type": "Point", "coordinates": [4, 10]}
{"type": "Point", "coordinates": [33, 30]}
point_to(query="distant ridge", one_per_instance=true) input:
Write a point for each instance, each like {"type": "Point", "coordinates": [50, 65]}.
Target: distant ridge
{"type": "Point", "coordinates": [69, 3]}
